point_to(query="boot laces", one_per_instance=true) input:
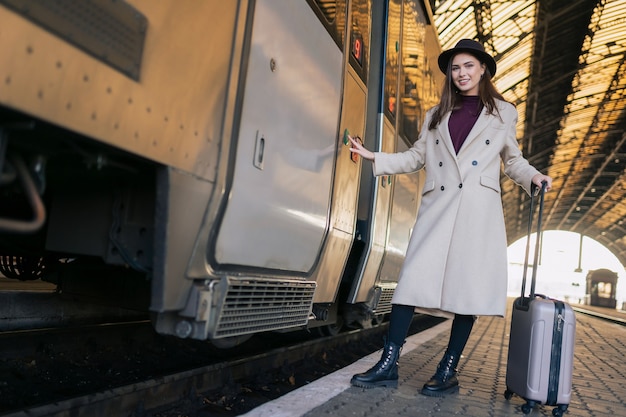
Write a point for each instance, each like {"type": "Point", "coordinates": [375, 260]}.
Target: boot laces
{"type": "Point", "coordinates": [445, 369]}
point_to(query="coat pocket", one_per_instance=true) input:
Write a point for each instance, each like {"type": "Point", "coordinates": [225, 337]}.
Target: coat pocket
{"type": "Point", "coordinates": [490, 183]}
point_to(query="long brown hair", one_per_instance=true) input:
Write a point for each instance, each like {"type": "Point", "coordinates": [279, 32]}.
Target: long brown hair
{"type": "Point", "coordinates": [451, 98]}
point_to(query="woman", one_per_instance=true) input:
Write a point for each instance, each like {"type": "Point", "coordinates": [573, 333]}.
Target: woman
{"type": "Point", "coordinates": [456, 261]}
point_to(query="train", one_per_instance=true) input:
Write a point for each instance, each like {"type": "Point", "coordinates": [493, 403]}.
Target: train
{"type": "Point", "coordinates": [190, 159]}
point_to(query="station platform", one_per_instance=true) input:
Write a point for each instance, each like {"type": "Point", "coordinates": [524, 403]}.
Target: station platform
{"type": "Point", "coordinates": [598, 387]}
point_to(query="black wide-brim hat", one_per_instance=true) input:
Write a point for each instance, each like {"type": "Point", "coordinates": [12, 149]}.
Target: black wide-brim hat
{"type": "Point", "coordinates": [469, 46]}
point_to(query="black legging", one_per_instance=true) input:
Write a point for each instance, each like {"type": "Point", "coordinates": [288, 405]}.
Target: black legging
{"type": "Point", "coordinates": [402, 315]}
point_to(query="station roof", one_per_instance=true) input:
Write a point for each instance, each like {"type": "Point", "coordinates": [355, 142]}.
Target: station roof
{"type": "Point", "coordinates": [563, 64]}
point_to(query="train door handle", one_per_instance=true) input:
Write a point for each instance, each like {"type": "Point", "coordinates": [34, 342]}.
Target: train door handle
{"type": "Point", "coordinates": [259, 150]}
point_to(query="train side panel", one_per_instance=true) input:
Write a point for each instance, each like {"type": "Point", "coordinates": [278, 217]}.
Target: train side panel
{"type": "Point", "coordinates": [163, 119]}
{"type": "Point", "coordinates": [172, 113]}
{"type": "Point", "coordinates": [197, 152]}
{"type": "Point", "coordinates": [228, 209]}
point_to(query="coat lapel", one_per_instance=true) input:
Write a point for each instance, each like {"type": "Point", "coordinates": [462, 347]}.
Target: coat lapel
{"type": "Point", "coordinates": [444, 133]}
{"type": "Point", "coordinates": [481, 124]}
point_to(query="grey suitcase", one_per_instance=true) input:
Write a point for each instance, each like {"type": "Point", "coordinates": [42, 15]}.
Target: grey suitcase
{"type": "Point", "coordinates": [541, 342]}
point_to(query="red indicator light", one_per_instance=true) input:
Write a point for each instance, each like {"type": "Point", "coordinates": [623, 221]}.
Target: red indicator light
{"type": "Point", "coordinates": [357, 47]}
{"type": "Point", "coordinates": [355, 156]}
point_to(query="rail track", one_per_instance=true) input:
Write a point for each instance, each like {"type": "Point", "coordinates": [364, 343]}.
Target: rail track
{"type": "Point", "coordinates": [167, 377]}
{"type": "Point", "coordinates": [125, 369]}
{"type": "Point", "coordinates": [598, 313]}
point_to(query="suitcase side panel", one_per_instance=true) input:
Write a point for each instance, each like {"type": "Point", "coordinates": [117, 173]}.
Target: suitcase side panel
{"type": "Point", "coordinates": [528, 364]}
{"type": "Point", "coordinates": [567, 357]}
{"type": "Point", "coordinates": [519, 351]}
{"type": "Point", "coordinates": [530, 352]}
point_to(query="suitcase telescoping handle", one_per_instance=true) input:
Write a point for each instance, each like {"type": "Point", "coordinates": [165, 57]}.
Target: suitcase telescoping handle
{"type": "Point", "coordinates": [534, 190]}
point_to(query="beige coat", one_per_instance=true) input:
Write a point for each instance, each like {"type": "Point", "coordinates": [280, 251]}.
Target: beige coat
{"type": "Point", "coordinates": [456, 261]}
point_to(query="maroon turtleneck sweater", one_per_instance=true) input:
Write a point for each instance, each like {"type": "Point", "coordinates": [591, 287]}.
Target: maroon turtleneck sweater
{"type": "Point", "coordinates": [463, 119]}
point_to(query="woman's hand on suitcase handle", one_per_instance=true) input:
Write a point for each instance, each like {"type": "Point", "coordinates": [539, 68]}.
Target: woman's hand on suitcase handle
{"type": "Point", "coordinates": [538, 179]}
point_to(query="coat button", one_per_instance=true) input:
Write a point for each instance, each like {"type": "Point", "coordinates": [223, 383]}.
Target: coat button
{"type": "Point", "coordinates": [437, 142]}
{"type": "Point", "coordinates": [487, 142]}
{"type": "Point", "coordinates": [440, 163]}
{"type": "Point", "coordinates": [474, 163]}
{"type": "Point", "coordinates": [442, 188]}
{"type": "Point", "coordinates": [460, 185]}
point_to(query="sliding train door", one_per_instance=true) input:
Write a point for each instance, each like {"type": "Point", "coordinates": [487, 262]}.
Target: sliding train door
{"type": "Point", "coordinates": [388, 206]}
{"type": "Point", "coordinates": [419, 89]}
{"type": "Point", "coordinates": [276, 215]}
{"type": "Point", "coordinates": [347, 169]}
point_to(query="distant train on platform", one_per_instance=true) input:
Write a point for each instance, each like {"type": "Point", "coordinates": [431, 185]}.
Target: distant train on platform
{"type": "Point", "coordinates": [190, 158]}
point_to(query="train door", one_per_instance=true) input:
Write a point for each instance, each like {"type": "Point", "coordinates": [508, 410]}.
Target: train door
{"type": "Point", "coordinates": [348, 167]}
{"type": "Point", "coordinates": [419, 90]}
{"type": "Point", "coordinates": [276, 216]}
{"type": "Point", "coordinates": [388, 207]}
{"type": "Point", "coordinates": [376, 193]}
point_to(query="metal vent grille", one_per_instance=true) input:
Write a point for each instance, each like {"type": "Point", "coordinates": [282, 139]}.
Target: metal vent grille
{"type": "Point", "coordinates": [112, 31]}
{"type": "Point", "coordinates": [255, 305]}
{"type": "Point", "coordinates": [384, 302]}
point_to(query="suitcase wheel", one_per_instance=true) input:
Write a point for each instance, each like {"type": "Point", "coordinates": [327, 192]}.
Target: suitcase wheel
{"type": "Point", "coordinates": [558, 411]}
{"type": "Point", "coordinates": [528, 407]}
{"type": "Point", "coordinates": [508, 394]}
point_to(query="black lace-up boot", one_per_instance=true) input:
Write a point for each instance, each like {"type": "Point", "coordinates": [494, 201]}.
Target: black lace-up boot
{"type": "Point", "coordinates": [444, 381]}
{"type": "Point", "coordinates": [384, 373]}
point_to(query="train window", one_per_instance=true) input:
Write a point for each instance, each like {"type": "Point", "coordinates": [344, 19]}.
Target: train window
{"type": "Point", "coordinates": [392, 58]}
{"type": "Point", "coordinates": [332, 13]}
{"type": "Point", "coordinates": [413, 69]}
{"type": "Point", "coordinates": [359, 36]}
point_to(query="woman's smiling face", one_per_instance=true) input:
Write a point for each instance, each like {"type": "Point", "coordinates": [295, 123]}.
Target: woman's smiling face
{"type": "Point", "coordinates": [466, 73]}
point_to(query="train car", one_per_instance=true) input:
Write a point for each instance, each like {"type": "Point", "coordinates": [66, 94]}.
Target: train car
{"type": "Point", "coordinates": [190, 158]}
